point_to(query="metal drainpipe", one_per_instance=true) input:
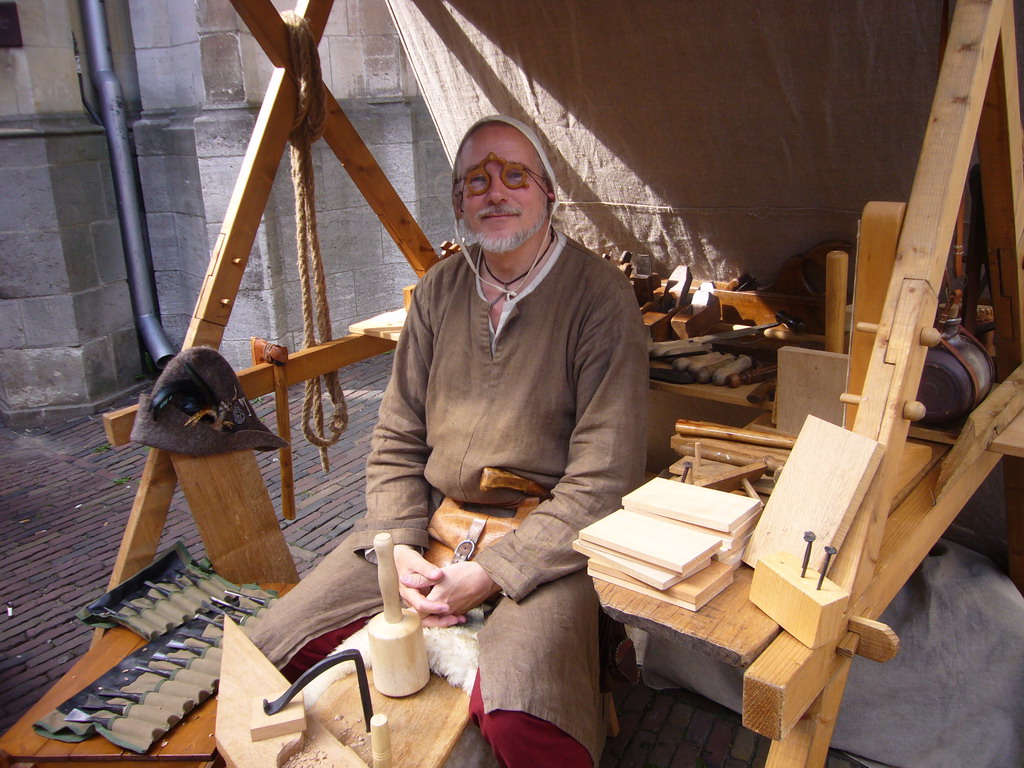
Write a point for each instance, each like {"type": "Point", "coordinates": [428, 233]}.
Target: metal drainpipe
{"type": "Point", "coordinates": [137, 259]}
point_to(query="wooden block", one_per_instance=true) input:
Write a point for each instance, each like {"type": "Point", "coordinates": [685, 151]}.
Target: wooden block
{"type": "Point", "coordinates": [810, 383]}
{"type": "Point", "coordinates": [728, 537]}
{"type": "Point", "coordinates": [813, 616]}
{"type": "Point", "coordinates": [820, 490]}
{"type": "Point", "coordinates": [692, 504]}
{"type": "Point", "coordinates": [692, 593]}
{"type": "Point", "coordinates": [654, 540]}
{"type": "Point", "coordinates": [291, 719]}
{"type": "Point", "coordinates": [244, 673]}
{"type": "Point", "coordinates": [659, 578]}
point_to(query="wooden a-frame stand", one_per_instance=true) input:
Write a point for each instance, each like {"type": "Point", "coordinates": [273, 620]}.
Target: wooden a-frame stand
{"type": "Point", "coordinates": [251, 547]}
{"type": "Point", "coordinates": [792, 693]}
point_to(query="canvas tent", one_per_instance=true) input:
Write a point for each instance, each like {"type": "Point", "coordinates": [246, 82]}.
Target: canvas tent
{"type": "Point", "coordinates": [724, 136]}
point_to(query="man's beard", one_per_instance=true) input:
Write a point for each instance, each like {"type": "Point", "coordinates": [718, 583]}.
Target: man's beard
{"type": "Point", "coordinates": [504, 243]}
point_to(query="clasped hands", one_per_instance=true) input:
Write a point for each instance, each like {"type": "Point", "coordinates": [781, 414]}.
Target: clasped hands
{"type": "Point", "coordinates": [441, 596]}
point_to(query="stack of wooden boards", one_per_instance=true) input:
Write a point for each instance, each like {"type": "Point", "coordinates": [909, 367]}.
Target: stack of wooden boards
{"type": "Point", "coordinates": [672, 541]}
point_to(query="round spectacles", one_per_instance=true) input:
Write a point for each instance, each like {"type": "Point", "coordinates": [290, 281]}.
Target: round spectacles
{"type": "Point", "coordinates": [477, 180]}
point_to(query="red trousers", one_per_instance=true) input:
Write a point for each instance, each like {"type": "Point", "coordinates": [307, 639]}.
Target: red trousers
{"type": "Point", "coordinates": [519, 740]}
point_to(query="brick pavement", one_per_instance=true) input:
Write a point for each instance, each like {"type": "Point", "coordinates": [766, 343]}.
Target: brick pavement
{"type": "Point", "coordinates": [65, 495]}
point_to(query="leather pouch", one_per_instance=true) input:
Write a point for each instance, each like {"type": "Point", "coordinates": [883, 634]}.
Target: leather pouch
{"type": "Point", "coordinates": [458, 533]}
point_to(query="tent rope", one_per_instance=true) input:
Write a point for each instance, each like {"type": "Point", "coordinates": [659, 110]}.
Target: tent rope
{"type": "Point", "coordinates": [310, 118]}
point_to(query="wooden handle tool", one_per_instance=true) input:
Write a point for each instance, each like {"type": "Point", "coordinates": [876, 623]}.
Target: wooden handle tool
{"type": "Point", "coordinates": [398, 651]}
{"type": "Point", "coordinates": [380, 740]}
{"type": "Point", "coordinates": [737, 366]}
{"type": "Point", "coordinates": [708, 429]}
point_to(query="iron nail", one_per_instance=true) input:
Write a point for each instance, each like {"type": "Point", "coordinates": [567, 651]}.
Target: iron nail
{"type": "Point", "coordinates": [809, 537]}
{"type": "Point", "coordinates": [829, 552]}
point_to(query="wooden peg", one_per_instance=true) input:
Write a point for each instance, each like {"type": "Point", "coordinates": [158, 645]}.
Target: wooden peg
{"type": "Point", "coordinates": [930, 336]}
{"type": "Point", "coordinates": [851, 399]}
{"type": "Point", "coordinates": [867, 327]}
{"type": "Point", "coordinates": [380, 740]}
{"type": "Point", "coordinates": [914, 410]}
{"type": "Point", "coordinates": [835, 300]}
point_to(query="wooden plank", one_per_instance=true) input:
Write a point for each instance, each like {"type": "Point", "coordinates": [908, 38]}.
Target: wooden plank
{"type": "Point", "coordinates": [235, 517]}
{"type": "Point", "coordinates": [729, 395]}
{"type": "Point", "coordinates": [810, 383]}
{"type": "Point", "coordinates": [931, 216]}
{"type": "Point", "coordinates": [659, 578]}
{"type": "Point", "coordinates": [259, 379]}
{"type": "Point", "coordinates": [147, 517]}
{"type": "Point", "coordinates": [246, 674]}
{"type": "Point", "coordinates": [691, 594]}
{"type": "Point", "coordinates": [653, 540]}
{"type": "Point", "coordinates": [387, 325]}
{"type": "Point", "coordinates": [880, 227]}
{"type": "Point", "coordinates": [985, 422]}
{"type": "Point", "coordinates": [424, 727]}
{"type": "Point", "coordinates": [820, 490]}
{"type": "Point", "coordinates": [717, 510]}
{"type": "Point", "coordinates": [1010, 442]}
{"type": "Point", "coordinates": [729, 628]}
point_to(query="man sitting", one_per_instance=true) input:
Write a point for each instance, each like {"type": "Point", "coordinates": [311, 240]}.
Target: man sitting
{"type": "Point", "coordinates": [527, 352]}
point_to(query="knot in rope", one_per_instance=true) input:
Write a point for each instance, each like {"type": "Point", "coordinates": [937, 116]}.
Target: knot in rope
{"type": "Point", "coordinates": [310, 119]}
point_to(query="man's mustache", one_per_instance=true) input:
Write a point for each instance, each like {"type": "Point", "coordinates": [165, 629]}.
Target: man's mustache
{"type": "Point", "coordinates": [499, 210]}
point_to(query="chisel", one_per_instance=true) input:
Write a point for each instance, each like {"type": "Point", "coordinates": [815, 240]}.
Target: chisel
{"type": "Point", "coordinates": [179, 705]}
{"type": "Point", "coordinates": [150, 714]}
{"type": "Point", "coordinates": [137, 732]}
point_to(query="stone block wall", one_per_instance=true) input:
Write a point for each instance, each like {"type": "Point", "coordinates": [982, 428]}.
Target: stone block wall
{"type": "Point", "coordinates": [194, 79]}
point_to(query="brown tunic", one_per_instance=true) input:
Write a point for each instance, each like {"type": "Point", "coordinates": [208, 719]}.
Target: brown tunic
{"type": "Point", "coordinates": [562, 400]}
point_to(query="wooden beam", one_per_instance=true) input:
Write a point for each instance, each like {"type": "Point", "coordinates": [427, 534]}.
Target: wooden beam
{"type": "Point", "coordinates": [267, 27]}
{"type": "Point", "coordinates": [931, 216]}
{"type": "Point", "coordinates": [880, 226]}
{"type": "Point", "coordinates": [242, 218]}
{"type": "Point", "coordinates": [147, 517]}
{"type": "Point", "coordinates": [259, 379]}
{"type": "Point", "coordinates": [999, 151]}
{"type": "Point", "coordinates": [807, 744]}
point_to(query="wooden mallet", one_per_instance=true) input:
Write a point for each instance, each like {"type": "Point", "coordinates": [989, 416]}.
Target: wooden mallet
{"type": "Point", "coordinates": [398, 651]}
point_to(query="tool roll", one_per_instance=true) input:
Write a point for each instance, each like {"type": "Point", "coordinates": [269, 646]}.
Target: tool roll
{"type": "Point", "coordinates": [178, 605]}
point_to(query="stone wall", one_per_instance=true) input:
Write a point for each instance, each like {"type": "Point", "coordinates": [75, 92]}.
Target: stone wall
{"type": "Point", "coordinates": [194, 79]}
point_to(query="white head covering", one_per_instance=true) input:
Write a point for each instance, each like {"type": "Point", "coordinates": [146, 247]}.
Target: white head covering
{"type": "Point", "coordinates": [529, 133]}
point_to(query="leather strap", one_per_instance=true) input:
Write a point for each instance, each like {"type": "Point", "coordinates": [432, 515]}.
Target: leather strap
{"type": "Point", "coordinates": [467, 547]}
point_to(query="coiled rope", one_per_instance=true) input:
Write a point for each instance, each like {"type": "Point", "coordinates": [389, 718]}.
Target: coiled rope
{"type": "Point", "coordinates": [310, 118]}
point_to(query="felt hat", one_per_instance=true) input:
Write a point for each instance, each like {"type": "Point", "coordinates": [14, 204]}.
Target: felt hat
{"type": "Point", "coordinates": [197, 407]}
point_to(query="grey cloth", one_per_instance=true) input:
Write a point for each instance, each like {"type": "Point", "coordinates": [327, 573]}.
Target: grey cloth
{"type": "Point", "coordinates": [952, 697]}
{"type": "Point", "coordinates": [562, 400]}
